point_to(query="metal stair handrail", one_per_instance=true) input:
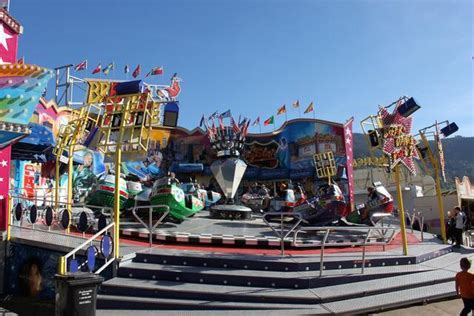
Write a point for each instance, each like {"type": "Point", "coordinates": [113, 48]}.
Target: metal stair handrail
{"type": "Point", "coordinates": [328, 229]}
{"type": "Point", "coordinates": [282, 233]}
{"type": "Point", "coordinates": [89, 241]}
{"type": "Point", "coordinates": [150, 227]}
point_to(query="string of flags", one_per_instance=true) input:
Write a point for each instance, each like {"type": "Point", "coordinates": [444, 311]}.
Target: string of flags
{"type": "Point", "coordinates": [82, 66]}
{"type": "Point", "coordinates": [236, 126]}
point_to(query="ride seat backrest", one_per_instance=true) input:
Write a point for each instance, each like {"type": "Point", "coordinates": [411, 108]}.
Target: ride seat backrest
{"type": "Point", "coordinates": [209, 195]}
{"type": "Point", "coordinates": [188, 201]}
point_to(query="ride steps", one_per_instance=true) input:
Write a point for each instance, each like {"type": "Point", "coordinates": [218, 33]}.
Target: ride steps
{"type": "Point", "coordinates": [187, 281]}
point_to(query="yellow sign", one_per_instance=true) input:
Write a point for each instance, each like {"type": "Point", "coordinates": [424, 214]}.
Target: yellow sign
{"type": "Point", "coordinates": [325, 164]}
{"type": "Point", "coordinates": [97, 91]}
{"type": "Point", "coordinates": [370, 162]}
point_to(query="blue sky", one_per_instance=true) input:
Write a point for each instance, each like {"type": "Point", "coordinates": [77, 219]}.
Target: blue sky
{"type": "Point", "coordinates": [253, 56]}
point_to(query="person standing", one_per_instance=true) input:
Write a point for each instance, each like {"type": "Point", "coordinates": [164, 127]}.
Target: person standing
{"type": "Point", "coordinates": [464, 286]}
{"type": "Point", "coordinates": [460, 222]}
{"type": "Point", "coordinates": [451, 226]}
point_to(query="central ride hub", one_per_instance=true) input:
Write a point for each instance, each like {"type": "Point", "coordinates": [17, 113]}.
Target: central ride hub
{"type": "Point", "coordinates": [228, 170]}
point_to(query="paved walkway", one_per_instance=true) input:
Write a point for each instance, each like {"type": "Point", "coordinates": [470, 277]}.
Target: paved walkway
{"type": "Point", "coordinates": [444, 308]}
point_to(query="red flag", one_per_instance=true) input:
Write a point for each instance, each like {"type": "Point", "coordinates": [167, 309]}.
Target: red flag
{"type": "Point", "coordinates": [347, 128]}
{"type": "Point", "coordinates": [97, 69]}
{"type": "Point", "coordinates": [155, 71]}
{"type": "Point", "coordinates": [136, 72]}
{"type": "Point", "coordinates": [81, 66]}
{"type": "Point", "coordinates": [270, 120]}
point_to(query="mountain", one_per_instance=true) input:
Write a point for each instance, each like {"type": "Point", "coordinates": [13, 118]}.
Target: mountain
{"type": "Point", "coordinates": [458, 152]}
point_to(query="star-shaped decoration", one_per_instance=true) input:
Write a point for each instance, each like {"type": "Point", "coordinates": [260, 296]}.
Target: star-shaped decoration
{"type": "Point", "coordinates": [1, 179]}
{"type": "Point", "coordinates": [348, 132]}
{"type": "Point", "coordinates": [1, 197]}
{"type": "Point", "coordinates": [401, 128]}
{"type": "Point", "coordinates": [3, 37]}
{"type": "Point", "coordinates": [4, 163]}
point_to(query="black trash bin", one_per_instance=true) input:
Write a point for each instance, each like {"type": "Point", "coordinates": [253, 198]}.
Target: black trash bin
{"type": "Point", "coordinates": [76, 293]}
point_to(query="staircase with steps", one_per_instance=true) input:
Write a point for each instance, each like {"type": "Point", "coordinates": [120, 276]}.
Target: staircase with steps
{"type": "Point", "coordinates": [181, 280]}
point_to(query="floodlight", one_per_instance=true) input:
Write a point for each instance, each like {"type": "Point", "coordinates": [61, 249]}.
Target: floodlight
{"type": "Point", "coordinates": [408, 107]}
{"type": "Point", "coordinates": [449, 129]}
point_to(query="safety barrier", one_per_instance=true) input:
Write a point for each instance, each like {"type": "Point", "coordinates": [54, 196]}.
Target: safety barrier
{"type": "Point", "coordinates": [92, 252]}
{"type": "Point", "coordinates": [40, 212]}
{"type": "Point", "coordinates": [417, 217]}
{"type": "Point", "coordinates": [282, 233]}
{"type": "Point", "coordinates": [327, 230]}
{"type": "Point", "coordinates": [150, 227]}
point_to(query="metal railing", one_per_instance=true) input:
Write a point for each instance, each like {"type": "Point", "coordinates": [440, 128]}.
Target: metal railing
{"type": "Point", "coordinates": [40, 194]}
{"type": "Point", "coordinates": [327, 230]}
{"type": "Point", "coordinates": [417, 217]}
{"type": "Point", "coordinates": [150, 227]}
{"type": "Point", "coordinates": [282, 233]}
{"type": "Point", "coordinates": [26, 214]}
{"type": "Point", "coordinates": [106, 250]}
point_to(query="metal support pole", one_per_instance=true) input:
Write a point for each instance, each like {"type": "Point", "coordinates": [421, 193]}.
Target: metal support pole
{"type": "Point", "coordinates": [439, 197]}
{"type": "Point", "coordinates": [56, 184]}
{"type": "Point", "coordinates": [70, 167]}
{"type": "Point", "coordinates": [441, 208]}
{"type": "Point", "coordinates": [150, 223]}
{"type": "Point", "coordinates": [363, 251]}
{"type": "Point", "coordinates": [62, 265]}
{"type": "Point", "coordinates": [9, 218]}
{"type": "Point", "coordinates": [118, 162]}
{"type": "Point", "coordinates": [321, 260]}
{"type": "Point", "coordinates": [401, 212]}
{"type": "Point", "coordinates": [282, 237]}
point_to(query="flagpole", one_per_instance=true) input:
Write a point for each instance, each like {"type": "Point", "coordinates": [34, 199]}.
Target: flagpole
{"type": "Point", "coordinates": [260, 127]}
{"type": "Point", "coordinates": [286, 116]}
{"type": "Point", "coordinates": [299, 111]}
{"type": "Point", "coordinates": [314, 117]}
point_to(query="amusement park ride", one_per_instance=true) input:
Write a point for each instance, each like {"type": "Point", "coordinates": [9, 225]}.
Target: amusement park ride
{"type": "Point", "coordinates": [120, 121]}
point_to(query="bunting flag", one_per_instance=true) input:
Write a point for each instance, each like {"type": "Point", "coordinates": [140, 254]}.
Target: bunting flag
{"type": "Point", "coordinates": [202, 121]}
{"type": "Point", "coordinates": [246, 128]}
{"type": "Point", "coordinates": [310, 108]}
{"type": "Point", "coordinates": [81, 66]}
{"type": "Point", "coordinates": [348, 142]}
{"type": "Point", "coordinates": [97, 69]}
{"type": "Point", "coordinates": [213, 115]}
{"type": "Point", "coordinates": [226, 114]}
{"type": "Point", "coordinates": [221, 123]}
{"type": "Point", "coordinates": [235, 126]}
{"type": "Point", "coordinates": [214, 128]}
{"type": "Point", "coordinates": [269, 121]}
{"type": "Point", "coordinates": [21, 61]}
{"type": "Point", "coordinates": [107, 69]}
{"type": "Point", "coordinates": [136, 72]}
{"type": "Point", "coordinates": [256, 122]}
{"type": "Point", "coordinates": [296, 104]}
{"type": "Point", "coordinates": [126, 70]}
{"type": "Point", "coordinates": [281, 110]}
{"type": "Point", "coordinates": [155, 71]}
